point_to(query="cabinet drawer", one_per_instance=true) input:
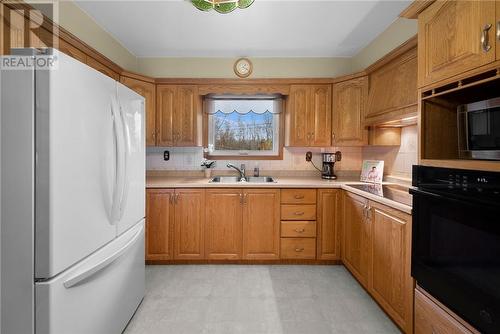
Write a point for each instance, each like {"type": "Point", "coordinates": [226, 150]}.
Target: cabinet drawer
{"type": "Point", "coordinates": [298, 212]}
{"type": "Point", "coordinates": [298, 248]}
{"type": "Point", "coordinates": [301, 229]}
{"type": "Point", "coordinates": [298, 196]}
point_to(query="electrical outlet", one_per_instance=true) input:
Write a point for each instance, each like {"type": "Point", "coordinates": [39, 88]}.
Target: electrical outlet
{"type": "Point", "coordinates": [166, 155]}
{"type": "Point", "coordinates": [309, 156]}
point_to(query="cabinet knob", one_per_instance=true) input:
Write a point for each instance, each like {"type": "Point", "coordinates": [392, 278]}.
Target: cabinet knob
{"type": "Point", "coordinates": [299, 196]}
{"type": "Point", "coordinates": [299, 213]}
{"type": "Point", "coordinates": [299, 249]}
{"type": "Point", "coordinates": [299, 230]}
{"type": "Point", "coordinates": [498, 30]}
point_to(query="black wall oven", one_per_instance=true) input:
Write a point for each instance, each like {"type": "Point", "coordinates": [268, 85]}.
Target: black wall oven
{"type": "Point", "coordinates": [456, 241]}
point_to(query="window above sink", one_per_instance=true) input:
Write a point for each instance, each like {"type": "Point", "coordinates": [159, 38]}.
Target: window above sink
{"type": "Point", "coordinates": [243, 127]}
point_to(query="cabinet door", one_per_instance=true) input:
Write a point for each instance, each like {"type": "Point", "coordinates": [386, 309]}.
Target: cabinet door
{"type": "Point", "coordinates": [189, 224]}
{"type": "Point", "coordinates": [328, 218]}
{"type": "Point", "coordinates": [320, 115]}
{"type": "Point", "coordinates": [185, 118]}
{"type": "Point", "coordinates": [14, 29]}
{"type": "Point", "coordinates": [391, 283]}
{"type": "Point", "coordinates": [449, 38]}
{"type": "Point", "coordinates": [165, 96]}
{"type": "Point", "coordinates": [297, 114]}
{"type": "Point", "coordinates": [349, 101]}
{"type": "Point", "coordinates": [159, 224]}
{"type": "Point", "coordinates": [356, 237]}
{"type": "Point", "coordinates": [223, 228]}
{"type": "Point", "coordinates": [261, 224]}
{"type": "Point", "coordinates": [148, 91]}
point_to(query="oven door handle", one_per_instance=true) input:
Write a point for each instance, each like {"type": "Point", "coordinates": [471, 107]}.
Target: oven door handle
{"type": "Point", "coordinates": [425, 193]}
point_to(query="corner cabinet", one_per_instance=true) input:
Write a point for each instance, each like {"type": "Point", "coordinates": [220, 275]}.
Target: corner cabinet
{"type": "Point", "coordinates": [148, 91]}
{"type": "Point", "coordinates": [356, 236]}
{"type": "Point", "coordinates": [177, 115]}
{"type": "Point", "coordinates": [328, 220]}
{"type": "Point", "coordinates": [349, 104]}
{"type": "Point", "coordinates": [309, 114]}
{"type": "Point", "coordinates": [454, 37]}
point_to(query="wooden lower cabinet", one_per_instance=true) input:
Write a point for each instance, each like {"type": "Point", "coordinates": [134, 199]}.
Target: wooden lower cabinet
{"type": "Point", "coordinates": [261, 224]}
{"type": "Point", "coordinates": [189, 234]}
{"type": "Point", "coordinates": [223, 225]}
{"type": "Point", "coordinates": [159, 224]}
{"type": "Point", "coordinates": [430, 318]}
{"type": "Point", "coordinates": [390, 281]}
{"type": "Point", "coordinates": [356, 236]}
{"type": "Point", "coordinates": [328, 218]}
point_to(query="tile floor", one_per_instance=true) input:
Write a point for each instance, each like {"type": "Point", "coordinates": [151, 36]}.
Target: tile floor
{"type": "Point", "coordinates": [256, 299]}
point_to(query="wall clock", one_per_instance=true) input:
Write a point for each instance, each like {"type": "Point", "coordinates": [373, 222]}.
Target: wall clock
{"type": "Point", "coordinates": [243, 67]}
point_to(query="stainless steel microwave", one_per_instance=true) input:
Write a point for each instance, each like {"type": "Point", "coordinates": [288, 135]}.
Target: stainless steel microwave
{"type": "Point", "coordinates": [479, 130]}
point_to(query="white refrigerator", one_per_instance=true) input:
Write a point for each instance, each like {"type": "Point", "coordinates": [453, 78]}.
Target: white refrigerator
{"type": "Point", "coordinates": [72, 199]}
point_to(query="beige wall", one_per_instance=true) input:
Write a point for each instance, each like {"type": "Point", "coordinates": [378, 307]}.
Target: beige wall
{"type": "Point", "coordinates": [262, 67]}
{"type": "Point", "coordinates": [76, 21]}
{"type": "Point", "coordinates": [396, 34]}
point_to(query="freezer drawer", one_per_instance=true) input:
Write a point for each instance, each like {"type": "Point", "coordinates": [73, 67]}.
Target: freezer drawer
{"type": "Point", "coordinates": [99, 295]}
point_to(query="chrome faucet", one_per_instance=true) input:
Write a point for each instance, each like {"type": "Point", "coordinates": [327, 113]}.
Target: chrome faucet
{"type": "Point", "coordinates": [240, 170]}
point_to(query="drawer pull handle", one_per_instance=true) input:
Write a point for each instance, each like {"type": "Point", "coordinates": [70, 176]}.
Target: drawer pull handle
{"type": "Point", "coordinates": [299, 230]}
{"type": "Point", "coordinates": [299, 249]}
{"type": "Point", "coordinates": [299, 196]}
{"type": "Point", "coordinates": [299, 213]}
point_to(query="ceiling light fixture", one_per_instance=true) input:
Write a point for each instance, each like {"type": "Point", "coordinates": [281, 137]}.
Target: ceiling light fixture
{"type": "Point", "coordinates": [221, 6]}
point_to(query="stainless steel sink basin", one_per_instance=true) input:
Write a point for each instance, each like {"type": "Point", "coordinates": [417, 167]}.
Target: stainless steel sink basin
{"type": "Point", "coordinates": [236, 179]}
{"type": "Point", "coordinates": [260, 179]}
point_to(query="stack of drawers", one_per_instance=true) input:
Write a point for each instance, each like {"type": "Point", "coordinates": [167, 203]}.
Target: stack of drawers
{"type": "Point", "coordinates": [298, 223]}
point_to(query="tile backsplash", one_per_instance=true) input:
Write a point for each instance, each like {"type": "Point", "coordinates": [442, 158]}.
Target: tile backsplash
{"type": "Point", "coordinates": [398, 159]}
{"type": "Point", "coordinates": [189, 159]}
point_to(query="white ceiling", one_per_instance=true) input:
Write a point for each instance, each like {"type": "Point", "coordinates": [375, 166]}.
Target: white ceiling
{"type": "Point", "coordinates": [268, 28]}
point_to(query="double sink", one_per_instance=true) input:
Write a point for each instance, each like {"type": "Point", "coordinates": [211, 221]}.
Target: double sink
{"type": "Point", "coordinates": [237, 179]}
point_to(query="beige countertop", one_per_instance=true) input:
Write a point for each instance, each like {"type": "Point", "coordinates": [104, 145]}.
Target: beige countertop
{"type": "Point", "coordinates": [164, 181]}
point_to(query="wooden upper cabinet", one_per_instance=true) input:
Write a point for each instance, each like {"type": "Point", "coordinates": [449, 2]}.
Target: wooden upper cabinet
{"type": "Point", "coordinates": [185, 118]}
{"type": "Point", "coordinates": [223, 227]}
{"type": "Point", "coordinates": [393, 89]}
{"type": "Point", "coordinates": [189, 240]}
{"type": "Point", "coordinates": [102, 68]}
{"type": "Point", "coordinates": [297, 111]}
{"type": "Point", "coordinates": [328, 220]}
{"type": "Point", "coordinates": [356, 237]}
{"type": "Point", "coordinates": [165, 108]}
{"type": "Point", "coordinates": [450, 38]}
{"type": "Point", "coordinates": [349, 103]}
{"type": "Point", "coordinates": [390, 280]}
{"type": "Point", "coordinates": [159, 224]}
{"type": "Point", "coordinates": [320, 115]}
{"type": "Point", "coordinates": [148, 91]}
{"type": "Point", "coordinates": [177, 113]}
{"type": "Point", "coordinates": [261, 224]}
{"type": "Point", "coordinates": [309, 115]}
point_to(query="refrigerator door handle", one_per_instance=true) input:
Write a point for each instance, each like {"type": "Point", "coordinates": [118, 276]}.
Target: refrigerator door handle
{"type": "Point", "coordinates": [88, 272]}
{"type": "Point", "coordinates": [120, 172]}
{"type": "Point", "coordinates": [126, 155]}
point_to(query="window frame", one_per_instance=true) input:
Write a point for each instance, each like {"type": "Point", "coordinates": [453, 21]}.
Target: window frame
{"type": "Point", "coordinates": [281, 134]}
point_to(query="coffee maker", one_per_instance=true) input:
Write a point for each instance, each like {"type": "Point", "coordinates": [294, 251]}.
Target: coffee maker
{"type": "Point", "coordinates": [329, 160]}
